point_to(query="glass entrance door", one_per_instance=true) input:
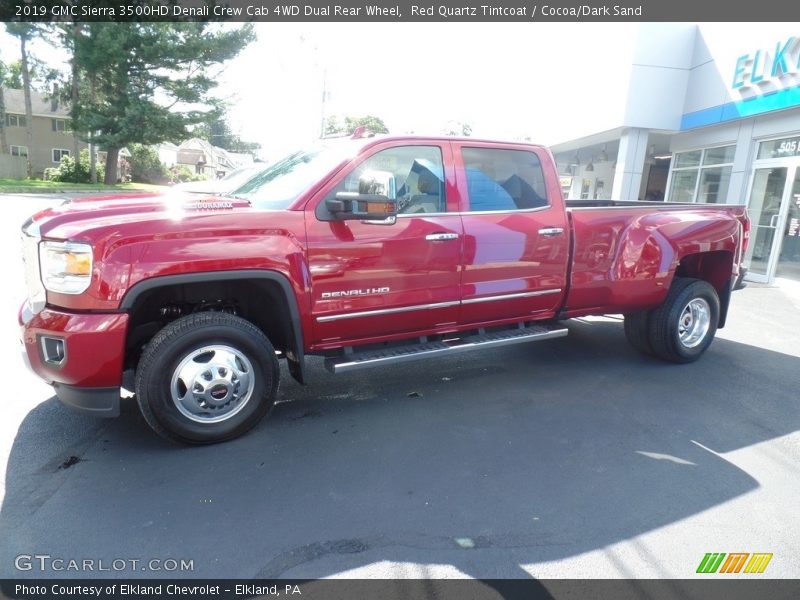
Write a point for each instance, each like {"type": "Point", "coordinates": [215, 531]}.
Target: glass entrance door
{"type": "Point", "coordinates": [766, 195]}
{"type": "Point", "coordinates": [789, 257]}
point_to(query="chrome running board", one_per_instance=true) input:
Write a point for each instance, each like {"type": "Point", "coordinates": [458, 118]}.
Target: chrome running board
{"type": "Point", "coordinates": [350, 361]}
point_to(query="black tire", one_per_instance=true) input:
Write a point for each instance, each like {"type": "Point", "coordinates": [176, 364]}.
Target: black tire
{"type": "Point", "coordinates": [637, 330]}
{"type": "Point", "coordinates": [181, 341]}
{"type": "Point", "coordinates": [665, 337]}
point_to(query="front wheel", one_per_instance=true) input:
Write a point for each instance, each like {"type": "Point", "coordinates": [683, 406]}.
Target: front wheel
{"type": "Point", "coordinates": [683, 327]}
{"type": "Point", "coordinates": [205, 378]}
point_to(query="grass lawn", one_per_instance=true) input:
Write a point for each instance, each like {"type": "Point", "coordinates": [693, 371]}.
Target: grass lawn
{"type": "Point", "coordinates": [39, 186]}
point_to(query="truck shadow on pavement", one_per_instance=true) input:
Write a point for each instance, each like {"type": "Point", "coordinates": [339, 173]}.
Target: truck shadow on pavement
{"type": "Point", "coordinates": [477, 464]}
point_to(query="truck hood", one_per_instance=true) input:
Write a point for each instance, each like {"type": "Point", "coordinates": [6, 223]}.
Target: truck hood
{"type": "Point", "coordinates": [74, 218]}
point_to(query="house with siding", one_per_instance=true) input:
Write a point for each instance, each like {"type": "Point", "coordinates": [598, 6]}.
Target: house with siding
{"type": "Point", "coordinates": [52, 135]}
{"type": "Point", "coordinates": [204, 159]}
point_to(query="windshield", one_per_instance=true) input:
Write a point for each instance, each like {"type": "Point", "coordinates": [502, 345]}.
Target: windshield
{"type": "Point", "coordinates": [280, 184]}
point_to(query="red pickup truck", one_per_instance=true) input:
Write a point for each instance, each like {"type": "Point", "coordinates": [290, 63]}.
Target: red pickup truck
{"type": "Point", "coordinates": [366, 252]}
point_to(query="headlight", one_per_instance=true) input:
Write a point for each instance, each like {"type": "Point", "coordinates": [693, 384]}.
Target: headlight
{"type": "Point", "coordinates": [66, 266]}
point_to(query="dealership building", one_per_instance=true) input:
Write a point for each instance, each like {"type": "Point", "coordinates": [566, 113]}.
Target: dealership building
{"type": "Point", "coordinates": [709, 115]}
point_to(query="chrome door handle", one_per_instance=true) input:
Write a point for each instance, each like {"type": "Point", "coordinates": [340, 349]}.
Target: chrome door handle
{"type": "Point", "coordinates": [773, 221]}
{"type": "Point", "coordinates": [441, 237]}
{"type": "Point", "coordinates": [550, 231]}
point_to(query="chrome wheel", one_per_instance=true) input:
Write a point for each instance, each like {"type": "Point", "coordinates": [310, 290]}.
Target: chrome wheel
{"type": "Point", "coordinates": [694, 323]}
{"type": "Point", "coordinates": [212, 384]}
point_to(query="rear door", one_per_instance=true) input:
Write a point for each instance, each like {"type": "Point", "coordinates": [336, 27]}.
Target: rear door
{"type": "Point", "coordinates": [515, 233]}
{"type": "Point", "coordinates": [371, 280]}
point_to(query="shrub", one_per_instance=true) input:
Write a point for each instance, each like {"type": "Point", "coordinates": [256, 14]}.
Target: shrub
{"type": "Point", "coordinates": [145, 166]}
{"type": "Point", "coordinates": [71, 171]}
{"type": "Point", "coordinates": [181, 173]}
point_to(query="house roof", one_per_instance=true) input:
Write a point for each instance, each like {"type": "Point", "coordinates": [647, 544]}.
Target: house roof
{"type": "Point", "coordinates": [40, 103]}
{"type": "Point", "coordinates": [190, 151]}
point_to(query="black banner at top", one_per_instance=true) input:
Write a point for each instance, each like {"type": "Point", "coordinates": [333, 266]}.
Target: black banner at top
{"type": "Point", "coordinates": [340, 11]}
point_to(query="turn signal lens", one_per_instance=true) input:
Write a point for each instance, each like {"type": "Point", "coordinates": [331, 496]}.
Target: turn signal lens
{"type": "Point", "coordinates": [66, 266]}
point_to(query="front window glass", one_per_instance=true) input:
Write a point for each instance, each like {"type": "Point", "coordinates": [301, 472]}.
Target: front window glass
{"type": "Point", "coordinates": [418, 174]}
{"type": "Point", "coordinates": [282, 183]}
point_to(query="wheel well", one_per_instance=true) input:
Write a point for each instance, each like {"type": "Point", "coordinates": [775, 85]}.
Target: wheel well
{"type": "Point", "coordinates": [715, 267]}
{"type": "Point", "coordinates": [263, 302]}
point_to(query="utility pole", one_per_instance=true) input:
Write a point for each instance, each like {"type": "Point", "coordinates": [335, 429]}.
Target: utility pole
{"type": "Point", "coordinates": [324, 99]}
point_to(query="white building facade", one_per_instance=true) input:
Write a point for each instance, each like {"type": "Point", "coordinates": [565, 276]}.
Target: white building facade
{"type": "Point", "coordinates": [712, 114]}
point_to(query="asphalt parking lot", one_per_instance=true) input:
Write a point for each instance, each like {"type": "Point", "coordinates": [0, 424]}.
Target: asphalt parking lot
{"type": "Point", "coordinates": [575, 457]}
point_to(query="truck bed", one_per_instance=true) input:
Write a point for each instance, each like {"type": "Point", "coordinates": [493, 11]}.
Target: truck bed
{"type": "Point", "coordinates": [624, 253]}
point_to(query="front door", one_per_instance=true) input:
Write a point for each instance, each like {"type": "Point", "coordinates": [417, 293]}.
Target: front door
{"type": "Point", "coordinates": [371, 280]}
{"type": "Point", "coordinates": [774, 209]}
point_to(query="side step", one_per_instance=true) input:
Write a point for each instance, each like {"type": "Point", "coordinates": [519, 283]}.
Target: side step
{"type": "Point", "coordinates": [372, 358]}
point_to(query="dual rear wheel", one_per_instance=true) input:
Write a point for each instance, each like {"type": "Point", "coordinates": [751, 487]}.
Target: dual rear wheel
{"type": "Point", "coordinates": [682, 328]}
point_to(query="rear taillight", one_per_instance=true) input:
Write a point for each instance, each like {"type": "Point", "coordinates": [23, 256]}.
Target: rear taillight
{"type": "Point", "coordinates": [745, 231]}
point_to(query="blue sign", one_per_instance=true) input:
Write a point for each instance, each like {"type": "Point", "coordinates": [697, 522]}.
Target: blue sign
{"type": "Point", "coordinates": [765, 80]}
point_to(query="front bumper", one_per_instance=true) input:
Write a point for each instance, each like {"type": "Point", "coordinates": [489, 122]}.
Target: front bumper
{"type": "Point", "coordinates": [80, 354]}
{"type": "Point", "coordinates": [98, 402]}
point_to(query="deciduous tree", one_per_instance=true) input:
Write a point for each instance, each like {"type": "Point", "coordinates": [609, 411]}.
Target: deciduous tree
{"type": "Point", "coordinates": [374, 124]}
{"type": "Point", "coordinates": [25, 32]}
{"type": "Point", "coordinates": [148, 82]}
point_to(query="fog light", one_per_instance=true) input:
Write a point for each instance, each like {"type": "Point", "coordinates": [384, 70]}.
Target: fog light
{"type": "Point", "coordinates": [54, 351]}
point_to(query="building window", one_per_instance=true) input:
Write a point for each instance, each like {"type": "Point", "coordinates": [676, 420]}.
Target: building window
{"type": "Point", "coordinates": [58, 154]}
{"type": "Point", "coordinates": [19, 151]}
{"type": "Point", "coordinates": [586, 185]}
{"type": "Point", "coordinates": [701, 175]}
{"type": "Point", "coordinates": [59, 125]}
{"type": "Point", "coordinates": [15, 121]}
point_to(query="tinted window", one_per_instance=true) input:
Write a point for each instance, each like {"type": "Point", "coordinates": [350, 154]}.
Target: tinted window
{"type": "Point", "coordinates": [280, 184]}
{"type": "Point", "coordinates": [503, 179]}
{"type": "Point", "coordinates": [418, 174]}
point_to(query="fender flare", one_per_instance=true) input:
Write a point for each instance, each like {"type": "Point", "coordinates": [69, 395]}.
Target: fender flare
{"type": "Point", "coordinates": [296, 367]}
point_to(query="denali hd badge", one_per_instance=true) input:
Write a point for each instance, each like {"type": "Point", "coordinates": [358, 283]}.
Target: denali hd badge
{"type": "Point", "coordinates": [347, 293]}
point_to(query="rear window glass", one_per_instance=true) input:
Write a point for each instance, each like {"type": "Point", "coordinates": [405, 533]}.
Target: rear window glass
{"type": "Point", "coordinates": [503, 180]}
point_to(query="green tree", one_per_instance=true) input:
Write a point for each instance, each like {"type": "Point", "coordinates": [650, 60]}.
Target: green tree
{"type": "Point", "coordinates": [374, 124]}
{"type": "Point", "coordinates": [69, 33]}
{"type": "Point", "coordinates": [332, 126]}
{"type": "Point", "coordinates": [25, 32]}
{"type": "Point", "coordinates": [145, 165]}
{"type": "Point", "coordinates": [41, 76]}
{"type": "Point", "coordinates": [3, 136]}
{"type": "Point", "coordinates": [148, 82]}
{"type": "Point", "coordinates": [219, 133]}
